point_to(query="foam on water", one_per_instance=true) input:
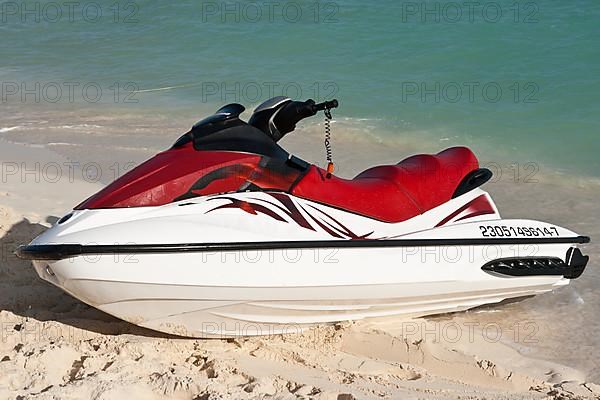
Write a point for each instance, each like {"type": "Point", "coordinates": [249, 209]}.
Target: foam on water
{"type": "Point", "coordinates": [9, 128]}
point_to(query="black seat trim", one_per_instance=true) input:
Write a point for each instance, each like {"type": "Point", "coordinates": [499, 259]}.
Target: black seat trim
{"type": "Point", "coordinates": [472, 180]}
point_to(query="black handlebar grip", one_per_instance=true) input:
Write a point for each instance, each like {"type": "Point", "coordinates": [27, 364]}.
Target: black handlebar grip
{"type": "Point", "coordinates": [326, 105]}
{"type": "Point", "coordinates": [290, 114]}
{"type": "Point", "coordinates": [286, 119]}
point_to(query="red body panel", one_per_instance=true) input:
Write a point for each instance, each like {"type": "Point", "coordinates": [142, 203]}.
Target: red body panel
{"type": "Point", "coordinates": [171, 174]}
{"type": "Point", "coordinates": [390, 193]}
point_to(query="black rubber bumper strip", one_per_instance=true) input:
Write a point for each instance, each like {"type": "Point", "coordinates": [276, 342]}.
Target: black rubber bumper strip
{"type": "Point", "coordinates": [60, 251]}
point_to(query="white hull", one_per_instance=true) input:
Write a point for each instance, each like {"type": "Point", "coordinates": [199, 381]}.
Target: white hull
{"type": "Point", "coordinates": [259, 292]}
{"type": "Point", "coordinates": [205, 311]}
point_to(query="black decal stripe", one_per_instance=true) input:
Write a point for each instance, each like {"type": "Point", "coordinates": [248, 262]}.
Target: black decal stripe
{"type": "Point", "coordinates": [322, 225]}
{"type": "Point", "coordinates": [60, 251]}
{"type": "Point", "coordinates": [346, 230]}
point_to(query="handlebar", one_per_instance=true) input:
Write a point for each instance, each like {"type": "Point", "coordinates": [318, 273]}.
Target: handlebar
{"type": "Point", "coordinates": [286, 119]}
{"type": "Point", "coordinates": [325, 105]}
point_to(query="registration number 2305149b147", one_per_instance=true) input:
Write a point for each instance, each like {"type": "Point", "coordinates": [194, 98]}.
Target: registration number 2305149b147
{"type": "Point", "coordinates": [513, 231]}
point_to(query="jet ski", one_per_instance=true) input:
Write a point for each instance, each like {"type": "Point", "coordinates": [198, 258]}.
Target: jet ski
{"type": "Point", "coordinates": [227, 234]}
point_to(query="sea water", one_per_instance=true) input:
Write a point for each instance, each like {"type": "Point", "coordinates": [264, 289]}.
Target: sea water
{"type": "Point", "coordinates": [521, 78]}
{"type": "Point", "coordinates": [517, 81]}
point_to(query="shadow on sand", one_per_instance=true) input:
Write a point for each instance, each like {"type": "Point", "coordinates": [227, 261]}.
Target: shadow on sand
{"type": "Point", "coordinates": [29, 297]}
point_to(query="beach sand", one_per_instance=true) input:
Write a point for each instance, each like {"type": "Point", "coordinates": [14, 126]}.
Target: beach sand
{"type": "Point", "coordinates": [55, 347]}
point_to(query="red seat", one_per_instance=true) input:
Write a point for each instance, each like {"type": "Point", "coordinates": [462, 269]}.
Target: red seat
{"type": "Point", "coordinates": [393, 193]}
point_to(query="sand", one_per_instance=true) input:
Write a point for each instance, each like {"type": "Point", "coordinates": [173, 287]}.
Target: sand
{"type": "Point", "coordinates": [54, 347]}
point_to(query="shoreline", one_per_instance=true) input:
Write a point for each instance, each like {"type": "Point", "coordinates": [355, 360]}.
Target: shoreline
{"type": "Point", "coordinates": [142, 131]}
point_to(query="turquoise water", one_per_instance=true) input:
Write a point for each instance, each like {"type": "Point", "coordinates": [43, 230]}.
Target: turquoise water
{"type": "Point", "coordinates": [433, 69]}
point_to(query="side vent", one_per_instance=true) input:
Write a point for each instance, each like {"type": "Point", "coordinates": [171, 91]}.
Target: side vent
{"type": "Point", "coordinates": [532, 266]}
